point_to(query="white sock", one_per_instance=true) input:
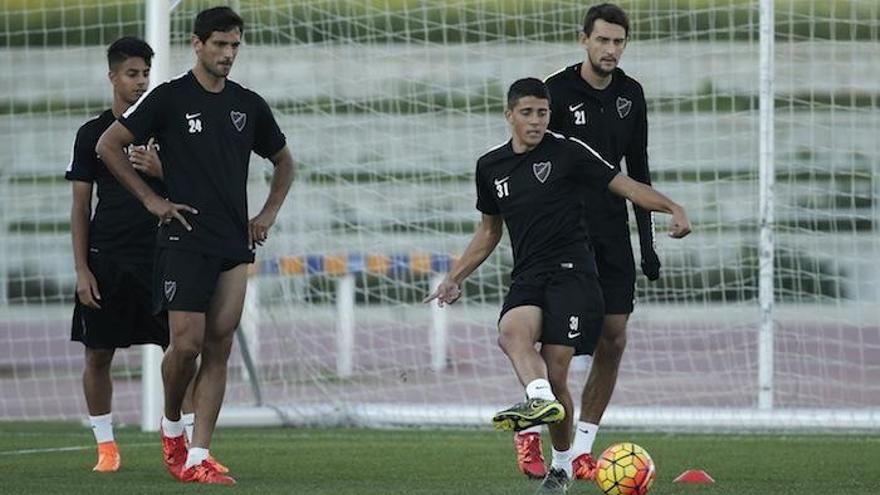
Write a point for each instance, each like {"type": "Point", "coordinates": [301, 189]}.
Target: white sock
{"type": "Point", "coordinates": [172, 429]}
{"type": "Point", "coordinates": [195, 457]}
{"type": "Point", "coordinates": [584, 436]}
{"type": "Point", "coordinates": [102, 427]}
{"type": "Point", "coordinates": [539, 389]}
{"type": "Point", "coordinates": [189, 420]}
{"type": "Point", "coordinates": [531, 429]}
{"type": "Point", "coordinates": [562, 460]}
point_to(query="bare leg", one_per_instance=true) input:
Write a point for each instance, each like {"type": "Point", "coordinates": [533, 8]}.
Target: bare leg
{"type": "Point", "coordinates": [188, 404]}
{"type": "Point", "coordinates": [222, 318]}
{"type": "Point", "coordinates": [518, 331]}
{"type": "Point", "coordinates": [558, 358]}
{"type": "Point", "coordinates": [179, 363]}
{"type": "Point", "coordinates": [97, 385]}
{"type": "Point", "coordinates": [603, 373]}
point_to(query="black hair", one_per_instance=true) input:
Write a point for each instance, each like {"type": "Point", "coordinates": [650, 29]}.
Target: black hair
{"type": "Point", "coordinates": [221, 19]}
{"type": "Point", "coordinates": [528, 86]}
{"type": "Point", "coordinates": [128, 47]}
{"type": "Point", "coordinates": [609, 13]}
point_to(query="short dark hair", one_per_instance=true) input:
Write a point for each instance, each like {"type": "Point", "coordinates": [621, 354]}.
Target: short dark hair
{"type": "Point", "coordinates": [221, 19]}
{"type": "Point", "coordinates": [528, 86]}
{"type": "Point", "coordinates": [609, 13]}
{"type": "Point", "coordinates": [128, 47]}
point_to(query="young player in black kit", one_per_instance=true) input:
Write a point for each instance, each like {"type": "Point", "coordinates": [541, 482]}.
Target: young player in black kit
{"type": "Point", "coordinates": [208, 126]}
{"type": "Point", "coordinates": [534, 184]}
{"type": "Point", "coordinates": [596, 102]}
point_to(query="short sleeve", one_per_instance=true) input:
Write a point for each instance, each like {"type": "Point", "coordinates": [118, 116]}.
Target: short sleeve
{"type": "Point", "coordinates": [145, 118]}
{"type": "Point", "coordinates": [268, 139]}
{"type": "Point", "coordinates": [485, 196]}
{"type": "Point", "coordinates": [84, 162]}
{"type": "Point", "coordinates": [597, 172]}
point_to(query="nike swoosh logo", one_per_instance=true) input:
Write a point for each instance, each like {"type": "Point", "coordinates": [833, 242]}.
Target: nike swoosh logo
{"type": "Point", "coordinates": [192, 116]}
{"type": "Point", "coordinates": [572, 335]}
{"type": "Point", "coordinates": [498, 182]}
{"type": "Point", "coordinates": [586, 432]}
{"type": "Point", "coordinates": [572, 108]}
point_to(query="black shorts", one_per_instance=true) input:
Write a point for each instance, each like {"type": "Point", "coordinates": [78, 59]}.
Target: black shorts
{"type": "Point", "coordinates": [571, 304]}
{"type": "Point", "coordinates": [185, 280]}
{"type": "Point", "coordinates": [126, 317]}
{"type": "Point", "coordinates": [617, 272]}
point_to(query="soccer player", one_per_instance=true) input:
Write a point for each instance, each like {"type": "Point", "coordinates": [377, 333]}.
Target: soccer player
{"type": "Point", "coordinates": [207, 126]}
{"type": "Point", "coordinates": [596, 102]}
{"type": "Point", "coordinates": [534, 184]}
{"type": "Point", "coordinates": [113, 251]}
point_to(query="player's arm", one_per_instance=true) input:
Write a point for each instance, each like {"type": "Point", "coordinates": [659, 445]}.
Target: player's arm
{"type": "Point", "coordinates": [282, 178]}
{"type": "Point", "coordinates": [637, 168]}
{"type": "Point", "coordinates": [482, 244]}
{"type": "Point", "coordinates": [110, 150]}
{"type": "Point", "coordinates": [652, 200]}
{"type": "Point", "coordinates": [80, 215]}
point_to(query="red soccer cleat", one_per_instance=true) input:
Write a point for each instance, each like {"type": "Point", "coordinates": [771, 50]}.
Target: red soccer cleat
{"type": "Point", "coordinates": [205, 473]}
{"type": "Point", "coordinates": [174, 451]}
{"type": "Point", "coordinates": [529, 456]}
{"type": "Point", "coordinates": [220, 468]}
{"type": "Point", "coordinates": [108, 458]}
{"type": "Point", "coordinates": [584, 467]}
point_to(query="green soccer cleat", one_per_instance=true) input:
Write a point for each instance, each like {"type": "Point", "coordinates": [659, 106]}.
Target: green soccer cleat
{"type": "Point", "coordinates": [529, 413]}
{"type": "Point", "coordinates": [556, 482]}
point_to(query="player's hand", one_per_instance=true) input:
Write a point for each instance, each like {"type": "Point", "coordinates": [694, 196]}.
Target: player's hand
{"type": "Point", "coordinates": [680, 225]}
{"type": "Point", "coordinates": [87, 289]}
{"type": "Point", "coordinates": [168, 211]}
{"type": "Point", "coordinates": [650, 264]}
{"type": "Point", "coordinates": [145, 159]}
{"type": "Point", "coordinates": [447, 293]}
{"type": "Point", "coordinates": [258, 228]}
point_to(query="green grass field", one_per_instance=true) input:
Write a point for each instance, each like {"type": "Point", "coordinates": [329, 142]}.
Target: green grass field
{"type": "Point", "coordinates": [48, 458]}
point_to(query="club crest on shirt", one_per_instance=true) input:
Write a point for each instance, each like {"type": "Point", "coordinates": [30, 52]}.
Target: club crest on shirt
{"type": "Point", "coordinates": [238, 119]}
{"type": "Point", "coordinates": [542, 171]}
{"type": "Point", "coordinates": [170, 290]}
{"type": "Point", "coordinates": [624, 105]}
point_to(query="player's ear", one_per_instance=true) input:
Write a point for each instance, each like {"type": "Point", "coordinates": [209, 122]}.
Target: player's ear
{"type": "Point", "coordinates": [508, 114]}
{"type": "Point", "coordinates": [195, 42]}
{"type": "Point", "coordinates": [582, 39]}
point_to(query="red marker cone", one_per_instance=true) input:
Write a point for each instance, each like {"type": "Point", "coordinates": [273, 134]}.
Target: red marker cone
{"type": "Point", "coordinates": [694, 476]}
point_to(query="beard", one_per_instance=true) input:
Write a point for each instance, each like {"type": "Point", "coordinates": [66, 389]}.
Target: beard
{"type": "Point", "coordinates": [598, 68]}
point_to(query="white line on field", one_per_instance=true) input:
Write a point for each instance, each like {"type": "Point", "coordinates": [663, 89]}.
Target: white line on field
{"type": "Point", "coordinates": [68, 449]}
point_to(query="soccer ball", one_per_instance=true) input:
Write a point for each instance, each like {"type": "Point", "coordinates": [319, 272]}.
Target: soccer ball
{"type": "Point", "coordinates": [625, 469]}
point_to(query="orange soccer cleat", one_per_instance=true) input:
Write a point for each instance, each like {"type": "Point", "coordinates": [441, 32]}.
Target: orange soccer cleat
{"type": "Point", "coordinates": [220, 468]}
{"type": "Point", "coordinates": [174, 451]}
{"type": "Point", "coordinates": [529, 456]}
{"type": "Point", "coordinates": [205, 473]}
{"type": "Point", "coordinates": [108, 458]}
{"type": "Point", "coordinates": [584, 467]}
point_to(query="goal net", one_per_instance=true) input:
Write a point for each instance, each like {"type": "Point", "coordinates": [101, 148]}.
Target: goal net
{"type": "Point", "coordinates": [386, 106]}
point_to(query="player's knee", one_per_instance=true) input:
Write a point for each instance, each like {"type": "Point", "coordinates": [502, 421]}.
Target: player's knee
{"type": "Point", "coordinates": [218, 347]}
{"type": "Point", "coordinates": [614, 340]}
{"type": "Point", "coordinates": [99, 358]}
{"type": "Point", "coordinates": [184, 350]}
{"type": "Point", "coordinates": [509, 342]}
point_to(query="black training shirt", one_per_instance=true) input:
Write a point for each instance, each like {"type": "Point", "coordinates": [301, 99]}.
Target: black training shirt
{"type": "Point", "coordinates": [121, 227]}
{"type": "Point", "coordinates": [540, 196]}
{"type": "Point", "coordinates": [613, 121]}
{"type": "Point", "coordinates": [206, 141]}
